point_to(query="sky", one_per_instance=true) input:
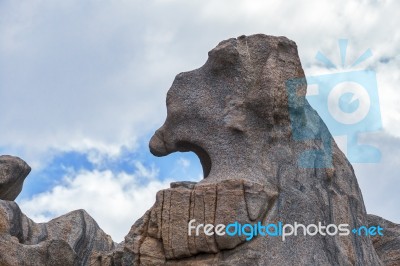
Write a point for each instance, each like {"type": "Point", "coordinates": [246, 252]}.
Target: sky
{"type": "Point", "coordinates": [83, 86]}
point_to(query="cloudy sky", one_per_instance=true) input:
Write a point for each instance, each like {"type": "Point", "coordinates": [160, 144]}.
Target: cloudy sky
{"type": "Point", "coordinates": [83, 84]}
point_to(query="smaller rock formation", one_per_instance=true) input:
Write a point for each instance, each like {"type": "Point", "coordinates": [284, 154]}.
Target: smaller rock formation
{"type": "Point", "coordinates": [67, 240]}
{"type": "Point", "coordinates": [13, 171]}
{"type": "Point", "coordinates": [387, 246]}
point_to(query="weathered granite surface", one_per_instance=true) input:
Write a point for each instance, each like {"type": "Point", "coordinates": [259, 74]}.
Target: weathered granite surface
{"type": "Point", "coordinates": [13, 171]}
{"type": "Point", "coordinates": [234, 113]}
{"type": "Point", "coordinates": [388, 246]}
{"type": "Point", "coordinates": [67, 240]}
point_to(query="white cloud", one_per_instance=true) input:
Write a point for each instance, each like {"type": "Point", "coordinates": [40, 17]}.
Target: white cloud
{"type": "Point", "coordinates": [184, 163]}
{"type": "Point", "coordinates": [114, 200]}
{"type": "Point", "coordinates": [380, 182]}
{"type": "Point", "coordinates": [96, 72]}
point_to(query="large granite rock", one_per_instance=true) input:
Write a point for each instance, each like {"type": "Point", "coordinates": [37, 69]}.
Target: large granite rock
{"type": "Point", "coordinates": [13, 171]}
{"type": "Point", "coordinates": [234, 113]}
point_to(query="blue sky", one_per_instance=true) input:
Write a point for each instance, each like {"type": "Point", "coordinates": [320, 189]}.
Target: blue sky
{"type": "Point", "coordinates": [83, 85]}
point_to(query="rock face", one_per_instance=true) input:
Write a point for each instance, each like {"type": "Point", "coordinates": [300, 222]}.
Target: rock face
{"type": "Point", "coordinates": [13, 171]}
{"type": "Point", "coordinates": [67, 240]}
{"type": "Point", "coordinates": [234, 113]}
{"type": "Point", "coordinates": [239, 116]}
{"type": "Point", "coordinates": [387, 247]}
{"type": "Point", "coordinates": [71, 237]}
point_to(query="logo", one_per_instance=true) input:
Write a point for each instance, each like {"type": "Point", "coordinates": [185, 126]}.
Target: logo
{"type": "Point", "coordinates": [280, 230]}
{"type": "Point", "coordinates": [347, 101]}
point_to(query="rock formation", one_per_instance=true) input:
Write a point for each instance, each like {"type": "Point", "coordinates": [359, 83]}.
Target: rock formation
{"type": "Point", "coordinates": [13, 171]}
{"type": "Point", "coordinates": [387, 247]}
{"type": "Point", "coordinates": [67, 240]}
{"type": "Point", "coordinates": [236, 113]}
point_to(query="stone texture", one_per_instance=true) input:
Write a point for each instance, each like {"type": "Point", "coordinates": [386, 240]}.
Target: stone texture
{"type": "Point", "coordinates": [388, 245]}
{"type": "Point", "coordinates": [13, 171]}
{"type": "Point", "coordinates": [67, 240]}
{"type": "Point", "coordinates": [233, 112]}
{"type": "Point", "coordinates": [162, 234]}
{"type": "Point", "coordinates": [186, 184]}
{"type": "Point", "coordinates": [50, 252]}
